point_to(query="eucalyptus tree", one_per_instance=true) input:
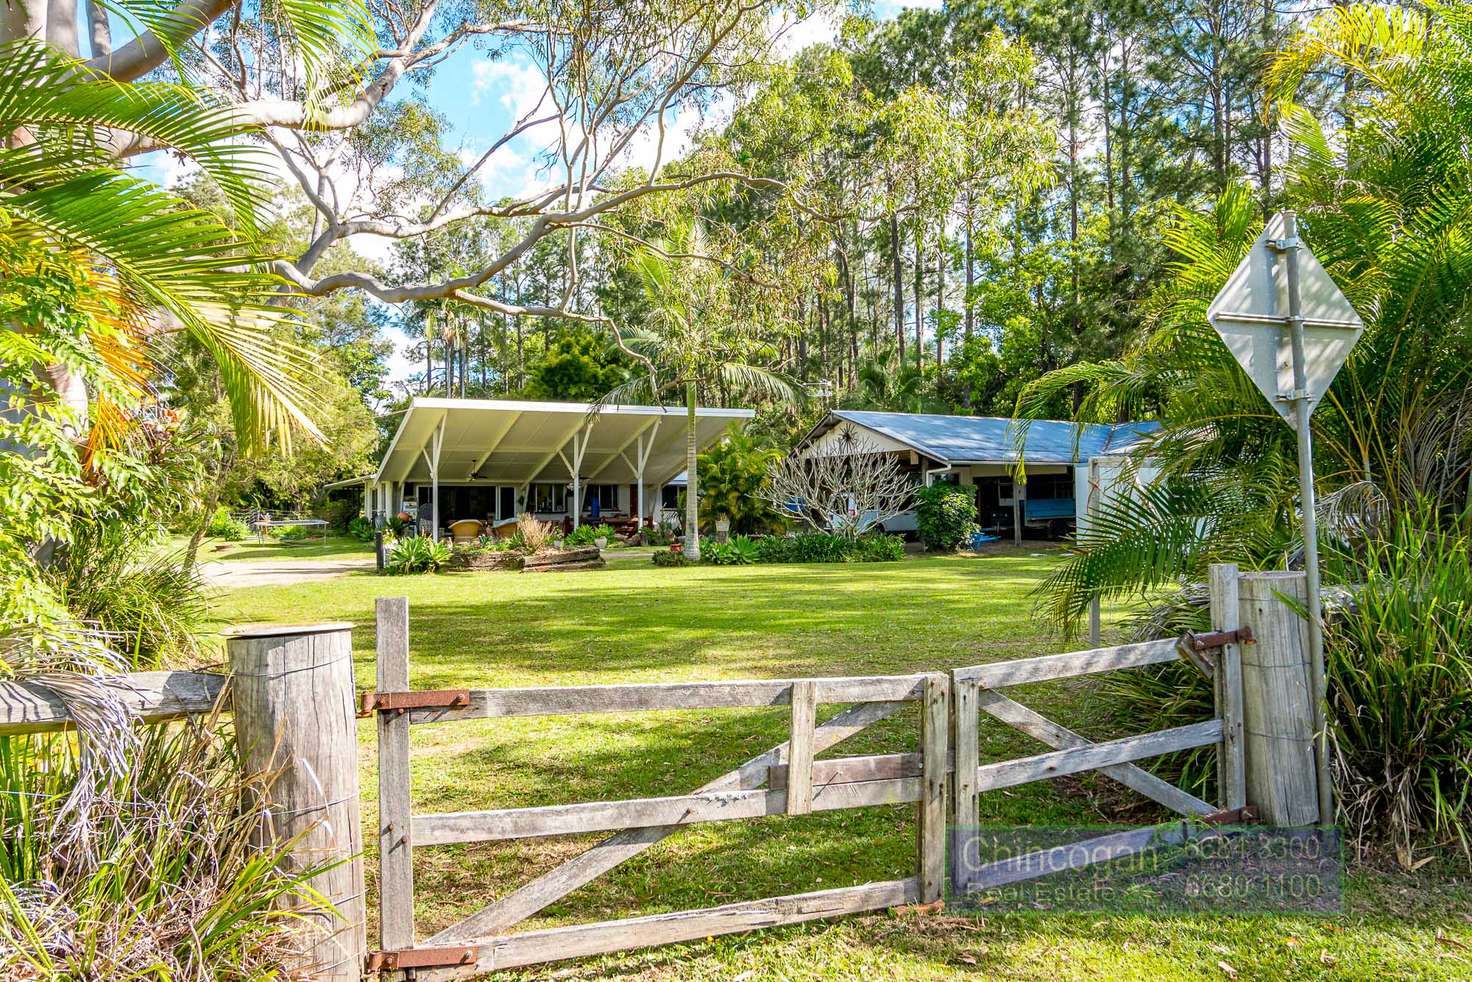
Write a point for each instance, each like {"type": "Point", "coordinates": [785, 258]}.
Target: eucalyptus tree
{"type": "Point", "coordinates": [693, 339]}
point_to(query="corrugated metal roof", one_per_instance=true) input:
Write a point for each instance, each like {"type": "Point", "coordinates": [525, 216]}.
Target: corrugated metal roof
{"type": "Point", "coordinates": [993, 439]}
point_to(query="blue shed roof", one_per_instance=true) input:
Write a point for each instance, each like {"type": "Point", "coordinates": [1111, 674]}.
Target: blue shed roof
{"type": "Point", "coordinates": [993, 439]}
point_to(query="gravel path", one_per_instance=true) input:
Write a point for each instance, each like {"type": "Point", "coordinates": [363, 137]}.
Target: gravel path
{"type": "Point", "coordinates": [277, 572]}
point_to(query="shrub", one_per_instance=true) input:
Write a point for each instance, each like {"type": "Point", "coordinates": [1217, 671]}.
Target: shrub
{"type": "Point", "coordinates": [487, 543]}
{"type": "Point", "coordinates": [339, 513]}
{"type": "Point", "coordinates": [824, 547]}
{"type": "Point", "coordinates": [148, 602]}
{"type": "Point", "coordinates": [361, 529]}
{"type": "Point", "coordinates": [946, 515]}
{"type": "Point", "coordinates": [295, 533]}
{"type": "Point", "coordinates": [1400, 685]}
{"type": "Point", "coordinates": [660, 535]}
{"type": "Point", "coordinates": [223, 526]}
{"type": "Point", "coordinates": [419, 554]}
{"type": "Point", "coordinates": [733, 478]}
{"type": "Point", "coordinates": [586, 535]}
{"type": "Point", "coordinates": [741, 550]}
{"type": "Point", "coordinates": [533, 536]}
{"type": "Point", "coordinates": [166, 881]}
{"type": "Point", "coordinates": [673, 556]}
{"type": "Point", "coordinates": [877, 548]}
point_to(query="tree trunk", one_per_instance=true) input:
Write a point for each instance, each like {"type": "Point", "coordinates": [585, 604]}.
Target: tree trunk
{"type": "Point", "coordinates": [940, 301]}
{"type": "Point", "coordinates": [899, 285]}
{"type": "Point", "coordinates": [970, 273]}
{"type": "Point", "coordinates": [692, 489]}
{"type": "Point", "coordinates": [919, 302]}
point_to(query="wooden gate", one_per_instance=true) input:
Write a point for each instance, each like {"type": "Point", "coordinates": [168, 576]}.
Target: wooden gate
{"type": "Point", "coordinates": [787, 779]}
{"type": "Point", "coordinates": [784, 780]}
{"type": "Point", "coordinates": [979, 690]}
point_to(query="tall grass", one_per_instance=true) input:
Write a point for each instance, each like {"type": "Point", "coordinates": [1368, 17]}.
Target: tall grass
{"type": "Point", "coordinates": [159, 879]}
{"type": "Point", "coordinates": [1400, 672]}
{"type": "Point", "coordinates": [148, 603]}
{"type": "Point", "coordinates": [1398, 648]}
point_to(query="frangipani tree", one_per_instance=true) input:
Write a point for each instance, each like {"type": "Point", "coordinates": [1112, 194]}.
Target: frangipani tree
{"type": "Point", "coordinates": [848, 488]}
{"type": "Point", "coordinates": [694, 343]}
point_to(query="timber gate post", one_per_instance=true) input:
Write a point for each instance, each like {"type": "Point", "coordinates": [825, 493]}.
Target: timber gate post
{"type": "Point", "coordinates": [1278, 711]}
{"type": "Point", "coordinates": [295, 722]}
{"type": "Point", "coordinates": [1224, 582]}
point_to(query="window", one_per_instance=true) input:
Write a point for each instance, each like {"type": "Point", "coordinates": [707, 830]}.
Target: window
{"type": "Point", "coordinates": [1050, 487]}
{"type": "Point", "coordinates": [548, 499]}
{"type": "Point", "coordinates": [605, 494]}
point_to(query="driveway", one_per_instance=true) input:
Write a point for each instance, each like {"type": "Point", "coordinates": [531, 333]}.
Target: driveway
{"type": "Point", "coordinates": [231, 575]}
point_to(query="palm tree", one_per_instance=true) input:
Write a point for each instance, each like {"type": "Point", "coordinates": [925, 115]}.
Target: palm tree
{"type": "Point", "coordinates": [1387, 207]}
{"type": "Point", "coordinates": [168, 266]}
{"type": "Point", "coordinates": [691, 341]}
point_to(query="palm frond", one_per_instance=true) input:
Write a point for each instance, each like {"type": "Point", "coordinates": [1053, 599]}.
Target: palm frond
{"type": "Point", "coordinates": [67, 111]}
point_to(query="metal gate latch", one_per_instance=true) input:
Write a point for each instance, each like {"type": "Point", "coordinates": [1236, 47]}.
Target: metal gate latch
{"type": "Point", "coordinates": [382, 702]}
{"type": "Point", "coordinates": [1193, 647]}
{"type": "Point", "coordinates": [392, 961]}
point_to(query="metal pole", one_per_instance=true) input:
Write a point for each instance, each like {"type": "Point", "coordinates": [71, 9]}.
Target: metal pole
{"type": "Point", "coordinates": [1303, 410]}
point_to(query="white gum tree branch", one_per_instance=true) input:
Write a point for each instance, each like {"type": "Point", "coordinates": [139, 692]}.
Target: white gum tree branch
{"type": "Point", "coordinates": [612, 74]}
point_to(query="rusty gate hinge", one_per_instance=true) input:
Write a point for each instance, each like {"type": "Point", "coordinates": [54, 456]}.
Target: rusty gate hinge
{"type": "Point", "coordinates": [1193, 647]}
{"type": "Point", "coordinates": [1232, 816]}
{"type": "Point", "coordinates": [1215, 639]}
{"type": "Point", "coordinates": [392, 961]}
{"type": "Point", "coordinates": [381, 702]}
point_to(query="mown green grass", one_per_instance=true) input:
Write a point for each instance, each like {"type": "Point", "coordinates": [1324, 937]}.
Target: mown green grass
{"type": "Point", "coordinates": [335, 547]}
{"type": "Point", "coordinates": [636, 623]}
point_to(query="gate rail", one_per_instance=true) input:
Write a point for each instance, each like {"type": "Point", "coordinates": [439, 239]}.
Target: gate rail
{"type": "Point", "coordinates": [784, 780]}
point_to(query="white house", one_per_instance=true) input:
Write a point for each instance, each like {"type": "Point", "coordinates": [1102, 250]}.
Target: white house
{"type": "Point", "coordinates": [984, 452]}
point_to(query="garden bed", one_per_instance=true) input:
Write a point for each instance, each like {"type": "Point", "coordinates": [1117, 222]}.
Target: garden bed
{"type": "Point", "coordinates": [468, 560]}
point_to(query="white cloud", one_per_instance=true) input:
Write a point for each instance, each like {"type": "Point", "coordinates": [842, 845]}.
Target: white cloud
{"type": "Point", "coordinates": [792, 36]}
{"type": "Point", "coordinates": [515, 82]}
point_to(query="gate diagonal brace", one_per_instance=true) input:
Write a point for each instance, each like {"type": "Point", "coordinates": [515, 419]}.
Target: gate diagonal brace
{"type": "Point", "coordinates": [392, 961]}
{"type": "Point", "coordinates": [385, 702]}
{"type": "Point", "coordinates": [1193, 647]}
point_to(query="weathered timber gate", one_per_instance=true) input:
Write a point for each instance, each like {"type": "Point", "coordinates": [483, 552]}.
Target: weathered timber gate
{"type": "Point", "coordinates": [978, 689]}
{"type": "Point", "coordinates": [787, 779]}
{"type": "Point", "coordinates": [784, 780]}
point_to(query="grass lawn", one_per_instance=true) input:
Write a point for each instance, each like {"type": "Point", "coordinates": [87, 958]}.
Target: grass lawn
{"type": "Point", "coordinates": [635, 623]}
{"type": "Point", "coordinates": [335, 547]}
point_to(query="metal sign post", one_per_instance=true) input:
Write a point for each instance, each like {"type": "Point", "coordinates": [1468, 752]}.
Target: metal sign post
{"type": "Point", "coordinates": [1303, 408]}
{"type": "Point", "coordinates": [1293, 369]}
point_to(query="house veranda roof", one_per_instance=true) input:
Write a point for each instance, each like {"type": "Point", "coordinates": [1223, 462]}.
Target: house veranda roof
{"type": "Point", "coordinates": [516, 442]}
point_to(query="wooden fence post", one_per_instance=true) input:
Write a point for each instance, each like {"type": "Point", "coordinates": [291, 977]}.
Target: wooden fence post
{"type": "Point", "coordinates": [395, 842]}
{"type": "Point", "coordinates": [935, 723]}
{"type": "Point", "coordinates": [1226, 615]}
{"type": "Point", "coordinates": [967, 749]}
{"type": "Point", "coordinates": [1277, 705]}
{"type": "Point", "coordinates": [295, 721]}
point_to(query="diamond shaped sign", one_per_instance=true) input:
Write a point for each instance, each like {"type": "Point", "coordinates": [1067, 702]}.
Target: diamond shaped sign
{"type": "Point", "coordinates": [1251, 311]}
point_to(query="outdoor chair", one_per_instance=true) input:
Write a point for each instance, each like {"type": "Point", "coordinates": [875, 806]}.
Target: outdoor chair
{"type": "Point", "coordinates": [465, 530]}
